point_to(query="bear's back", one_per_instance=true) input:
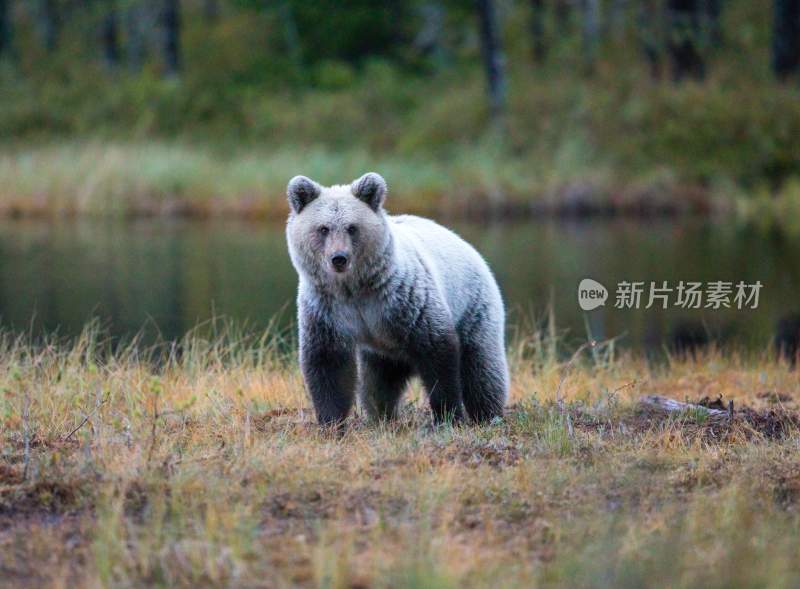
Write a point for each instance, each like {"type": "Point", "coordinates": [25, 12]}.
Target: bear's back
{"type": "Point", "coordinates": [461, 273]}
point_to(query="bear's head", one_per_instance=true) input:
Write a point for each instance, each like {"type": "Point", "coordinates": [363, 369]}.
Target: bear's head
{"type": "Point", "coordinates": [337, 234]}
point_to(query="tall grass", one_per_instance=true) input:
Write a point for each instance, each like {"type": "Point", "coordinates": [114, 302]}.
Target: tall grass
{"type": "Point", "coordinates": [199, 465]}
{"type": "Point", "coordinates": [163, 178]}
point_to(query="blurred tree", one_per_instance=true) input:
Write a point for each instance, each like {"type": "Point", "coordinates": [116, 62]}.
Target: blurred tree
{"type": "Point", "coordinates": [330, 30]}
{"type": "Point", "coordinates": [617, 17]}
{"type": "Point", "coordinates": [537, 30]}
{"type": "Point", "coordinates": [651, 32]}
{"type": "Point", "coordinates": [171, 31]}
{"type": "Point", "coordinates": [290, 33]}
{"type": "Point", "coordinates": [138, 27]}
{"type": "Point", "coordinates": [563, 10]}
{"type": "Point", "coordinates": [685, 38]}
{"type": "Point", "coordinates": [682, 31]}
{"type": "Point", "coordinates": [5, 28]}
{"type": "Point", "coordinates": [714, 18]}
{"type": "Point", "coordinates": [211, 11]}
{"type": "Point", "coordinates": [493, 59]}
{"type": "Point", "coordinates": [786, 38]}
{"type": "Point", "coordinates": [109, 34]}
{"type": "Point", "coordinates": [590, 31]}
{"type": "Point", "coordinates": [48, 23]}
{"type": "Point", "coordinates": [428, 39]}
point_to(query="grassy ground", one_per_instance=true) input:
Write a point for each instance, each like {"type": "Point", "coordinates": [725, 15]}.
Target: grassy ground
{"type": "Point", "coordinates": [209, 471]}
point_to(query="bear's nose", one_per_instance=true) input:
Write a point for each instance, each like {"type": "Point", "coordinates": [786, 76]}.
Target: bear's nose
{"type": "Point", "coordinates": [339, 261]}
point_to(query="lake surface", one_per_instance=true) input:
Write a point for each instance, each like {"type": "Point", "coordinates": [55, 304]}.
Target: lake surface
{"type": "Point", "coordinates": [166, 276]}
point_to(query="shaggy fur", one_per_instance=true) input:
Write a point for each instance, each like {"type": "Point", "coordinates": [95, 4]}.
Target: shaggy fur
{"type": "Point", "coordinates": [383, 298]}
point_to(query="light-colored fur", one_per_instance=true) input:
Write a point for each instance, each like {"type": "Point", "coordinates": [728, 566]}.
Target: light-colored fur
{"type": "Point", "coordinates": [413, 293]}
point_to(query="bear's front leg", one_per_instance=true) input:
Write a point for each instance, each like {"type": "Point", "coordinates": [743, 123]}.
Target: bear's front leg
{"type": "Point", "coordinates": [329, 370]}
{"type": "Point", "coordinates": [438, 362]}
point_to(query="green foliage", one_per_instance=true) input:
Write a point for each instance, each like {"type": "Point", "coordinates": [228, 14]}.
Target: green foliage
{"type": "Point", "coordinates": [347, 79]}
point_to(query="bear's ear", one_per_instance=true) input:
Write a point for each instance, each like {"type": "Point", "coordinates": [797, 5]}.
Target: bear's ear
{"type": "Point", "coordinates": [370, 188]}
{"type": "Point", "coordinates": [301, 191]}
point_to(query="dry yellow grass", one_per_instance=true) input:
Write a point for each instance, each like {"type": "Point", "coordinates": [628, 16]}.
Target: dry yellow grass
{"type": "Point", "coordinates": [206, 469]}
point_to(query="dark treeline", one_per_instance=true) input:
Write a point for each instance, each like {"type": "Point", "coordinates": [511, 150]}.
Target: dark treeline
{"type": "Point", "coordinates": [786, 40]}
{"type": "Point", "coordinates": [304, 42]}
{"type": "Point", "coordinates": [592, 103]}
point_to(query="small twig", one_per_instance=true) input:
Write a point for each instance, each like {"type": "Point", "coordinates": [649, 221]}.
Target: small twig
{"type": "Point", "coordinates": [85, 419]}
{"type": "Point", "coordinates": [730, 409]}
{"type": "Point", "coordinates": [568, 365]}
{"type": "Point", "coordinates": [26, 432]}
{"type": "Point", "coordinates": [623, 387]}
{"type": "Point", "coordinates": [153, 429]}
{"type": "Point", "coordinates": [565, 371]}
{"type": "Point", "coordinates": [568, 418]}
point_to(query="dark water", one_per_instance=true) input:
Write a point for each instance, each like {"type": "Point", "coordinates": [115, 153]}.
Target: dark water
{"type": "Point", "coordinates": [167, 276]}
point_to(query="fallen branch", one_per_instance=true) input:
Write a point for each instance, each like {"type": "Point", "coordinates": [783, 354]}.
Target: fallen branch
{"type": "Point", "coordinates": [668, 405]}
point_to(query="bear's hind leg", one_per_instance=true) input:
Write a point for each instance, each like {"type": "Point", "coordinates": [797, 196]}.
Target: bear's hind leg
{"type": "Point", "coordinates": [484, 381]}
{"type": "Point", "coordinates": [381, 382]}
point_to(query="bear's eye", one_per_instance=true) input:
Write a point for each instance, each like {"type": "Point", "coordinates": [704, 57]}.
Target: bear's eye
{"type": "Point", "coordinates": [352, 229]}
{"type": "Point", "coordinates": [323, 230]}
